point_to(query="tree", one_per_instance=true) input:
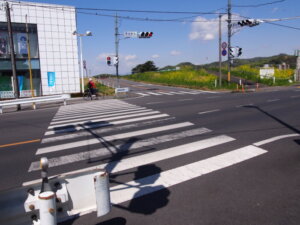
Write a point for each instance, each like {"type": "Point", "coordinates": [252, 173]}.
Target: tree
{"type": "Point", "coordinates": [147, 66]}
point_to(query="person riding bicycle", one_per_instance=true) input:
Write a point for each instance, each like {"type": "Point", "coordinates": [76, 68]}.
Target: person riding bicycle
{"type": "Point", "coordinates": [92, 86]}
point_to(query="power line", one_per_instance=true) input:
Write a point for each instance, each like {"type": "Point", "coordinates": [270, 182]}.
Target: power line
{"type": "Point", "coordinates": [281, 25]}
{"type": "Point", "coordinates": [271, 21]}
{"type": "Point", "coordinates": [214, 12]}
{"type": "Point", "coordinates": [183, 19]}
{"type": "Point", "coordinates": [258, 5]}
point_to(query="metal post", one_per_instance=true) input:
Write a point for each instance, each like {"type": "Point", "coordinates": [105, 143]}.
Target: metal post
{"type": "Point", "coordinates": [220, 51]}
{"type": "Point", "coordinates": [229, 39]}
{"type": "Point", "coordinates": [117, 48]}
{"type": "Point", "coordinates": [101, 183]}
{"type": "Point", "coordinates": [298, 67]}
{"type": "Point", "coordinates": [12, 55]}
{"type": "Point", "coordinates": [81, 64]}
{"type": "Point", "coordinates": [47, 208]}
{"type": "Point", "coordinates": [29, 58]}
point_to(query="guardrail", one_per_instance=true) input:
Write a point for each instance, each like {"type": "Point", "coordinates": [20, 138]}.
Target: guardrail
{"type": "Point", "coordinates": [34, 100]}
{"type": "Point", "coordinates": [56, 199]}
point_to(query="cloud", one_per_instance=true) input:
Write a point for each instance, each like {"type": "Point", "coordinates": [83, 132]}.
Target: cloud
{"type": "Point", "coordinates": [275, 9]}
{"type": "Point", "coordinates": [208, 29]}
{"type": "Point", "coordinates": [155, 56]}
{"type": "Point", "coordinates": [130, 57]}
{"type": "Point", "coordinates": [174, 52]}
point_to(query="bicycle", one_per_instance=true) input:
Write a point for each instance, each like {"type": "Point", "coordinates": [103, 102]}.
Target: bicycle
{"type": "Point", "coordinates": [87, 95]}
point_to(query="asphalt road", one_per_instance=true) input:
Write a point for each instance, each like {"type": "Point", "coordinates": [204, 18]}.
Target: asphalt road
{"type": "Point", "coordinates": [234, 157]}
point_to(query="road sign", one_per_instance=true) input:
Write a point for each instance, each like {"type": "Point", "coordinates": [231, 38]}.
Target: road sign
{"type": "Point", "coordinates": [118, 90]}
{"type": "Point", "coordinates": [224, 45]}
{"type": "Point", "coordinates": [131, 34]}
{"type": "Point", "coordinates": [224, 52]}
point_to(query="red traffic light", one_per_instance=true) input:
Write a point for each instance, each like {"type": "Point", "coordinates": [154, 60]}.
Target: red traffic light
{"type": "Point", "coordinates": [108, 60]}
{"type": "Point", "coordinates": [145, 34]}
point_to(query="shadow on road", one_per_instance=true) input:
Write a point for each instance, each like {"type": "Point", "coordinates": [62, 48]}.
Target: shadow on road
{"type": "Point", "coordinates": [149, 196]}
{"type": "Point", "coordinates": [294, 129]}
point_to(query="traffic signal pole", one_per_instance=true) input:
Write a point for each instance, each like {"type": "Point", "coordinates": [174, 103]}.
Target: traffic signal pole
{"type": "Point", "coordinates": [229, 39]}
{"type": "Point", "coordinates": [12, 54]}
{"type": "Point", "coordinates": [220, 51]}
{"type": "Point", "coordinates": [117, 48]}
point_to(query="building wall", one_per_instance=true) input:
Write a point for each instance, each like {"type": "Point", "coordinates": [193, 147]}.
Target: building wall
{"type": "Point", "coordinates": [58, 50]}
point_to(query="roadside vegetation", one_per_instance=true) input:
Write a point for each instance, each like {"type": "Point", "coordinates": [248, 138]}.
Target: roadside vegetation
{"type": "Point", "coordinates": [185, 77]}
{"type": "Point", "coordinates": [206, 76]}
{"type": "Point", "coordinates": [103, 90]}
{"type": "Point", "coordinates": [282, 77]}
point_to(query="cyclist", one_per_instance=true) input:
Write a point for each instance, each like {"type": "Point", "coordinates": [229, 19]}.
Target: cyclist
{"type": "Point", "coordinates": [92, 86]}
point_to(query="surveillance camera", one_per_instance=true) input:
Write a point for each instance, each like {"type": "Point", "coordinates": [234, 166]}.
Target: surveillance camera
{"type": "Point", "coordinates": [89, 33]}
{"type": "Point", "coordinates": [74, 32]}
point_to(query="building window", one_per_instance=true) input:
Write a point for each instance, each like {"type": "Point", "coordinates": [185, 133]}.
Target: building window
{"type": "Point", "coordinates": [21, 50]}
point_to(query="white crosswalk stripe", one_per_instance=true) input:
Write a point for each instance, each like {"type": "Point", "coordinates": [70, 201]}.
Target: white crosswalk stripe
{"type": "Point", "coordinates": [125, 137]}
{"type": "Point", "coordinates": [158, 93]}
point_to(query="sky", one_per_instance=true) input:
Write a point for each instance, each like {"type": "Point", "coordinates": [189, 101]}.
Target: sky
{"type": "Point", "coordinates": [194, 38]}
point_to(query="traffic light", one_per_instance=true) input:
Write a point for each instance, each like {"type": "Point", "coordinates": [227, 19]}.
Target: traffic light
{"type": "Point", "coordinates": [145, 34]}
{"type": "Point", "coordinates": [232, 52]}
{"type": "Point", "coordinates": [239, 52]}
{"type": "Point", "coordinates": [108, 60]}
{"type": "Point", "coordinates": [249, 22]}
{"type": "Point", "coordinates": [116, 60]}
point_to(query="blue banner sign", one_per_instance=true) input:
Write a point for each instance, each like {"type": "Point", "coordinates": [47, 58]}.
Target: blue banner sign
{"type": "Point", "coordinates": [20, 81]}
{"type": "Point", "coordinates": [51, 79]}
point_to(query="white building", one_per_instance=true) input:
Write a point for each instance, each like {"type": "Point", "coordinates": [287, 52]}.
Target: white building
{"type": "Point", "coordinates": [53, 49]}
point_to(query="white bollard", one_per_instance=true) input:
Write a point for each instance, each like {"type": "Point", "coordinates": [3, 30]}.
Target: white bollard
{"type": "Point", "coordinates": [47, 207]}
{"type": "Point", "coordinates": [102, 194]}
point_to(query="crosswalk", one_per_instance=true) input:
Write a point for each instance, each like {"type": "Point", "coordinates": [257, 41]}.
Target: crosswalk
{"type": "Point", "coordinates": [159, 93]}
{"type": "Point", "coordinates": [121, 136]}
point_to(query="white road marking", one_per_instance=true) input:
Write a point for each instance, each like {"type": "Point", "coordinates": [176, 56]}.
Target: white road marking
{"type": "Point", "coordinates": [240, 106]}
{"type": "Point", "coordinates": [99, 113]}
{"type": "Point", "coordinates": [260, 143]}
{"type": "Point", "coordinates": [176, 93]}
{"type": "Point", "coordinates": [96, 108]}
{"type": "Point", "coordinates": [186, 99]}
{"type": "Point", "coordinates": [273, 100]}
{"type": "Point", "coordinates": [295, 96]}
{"type": "Point", "coordinates": [89, 117]}
{"type": "Point", "coordinates": [143, 94]}
{"type": "Point", "coordinates": [153, 103]}
{"type": "Point", "coordinates": [103, 119]}
{"type": "Point", "coordinates": [63, 160]}
{"type": "Point", "coordinates": [188, 92]}
{"type": "Point", "coordinates": [153, 93]}
{"type": "Point", "coordinates": [73, 129]}
{"type": "Point", "coordinates": [164, 93]}
{"type": "Point", "coordinates": [214, 97]}
{"type": "Point", "coordinates": [85, 133]}
{"type": "Point", "coordinates": [110, 138]}
{"type": "Point", "coordinates": [205, 112]}
{"type": "Point", "coordinates": [133, 189]}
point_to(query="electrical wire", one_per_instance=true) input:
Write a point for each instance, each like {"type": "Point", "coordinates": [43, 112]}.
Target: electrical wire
{"type": "Point", "coordinates": [183, 19]}
{"type": "Point", "coordinates": [258, 5]}
{"type": "Point", "coordinates": [271, 21]}
{"type": "Point", "coordinates": [153, 11]}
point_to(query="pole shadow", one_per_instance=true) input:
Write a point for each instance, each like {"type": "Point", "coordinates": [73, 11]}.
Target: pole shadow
{"type": "Point", "coordinates": [149, 198]}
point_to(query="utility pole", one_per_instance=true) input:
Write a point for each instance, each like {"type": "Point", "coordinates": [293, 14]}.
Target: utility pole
{"type": "Point", "coordinates": [117, 48]}
{"type": "Point", "coordinates": [298, 66]}
{"type": "Point", "coordinates": [229, 39]}
{"type": "Point", "coordinates": [12, 54]}
{"type": "Point", "coordinates": [29, 59]}
{"type": "Point", "coordinates": [220, 51]}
